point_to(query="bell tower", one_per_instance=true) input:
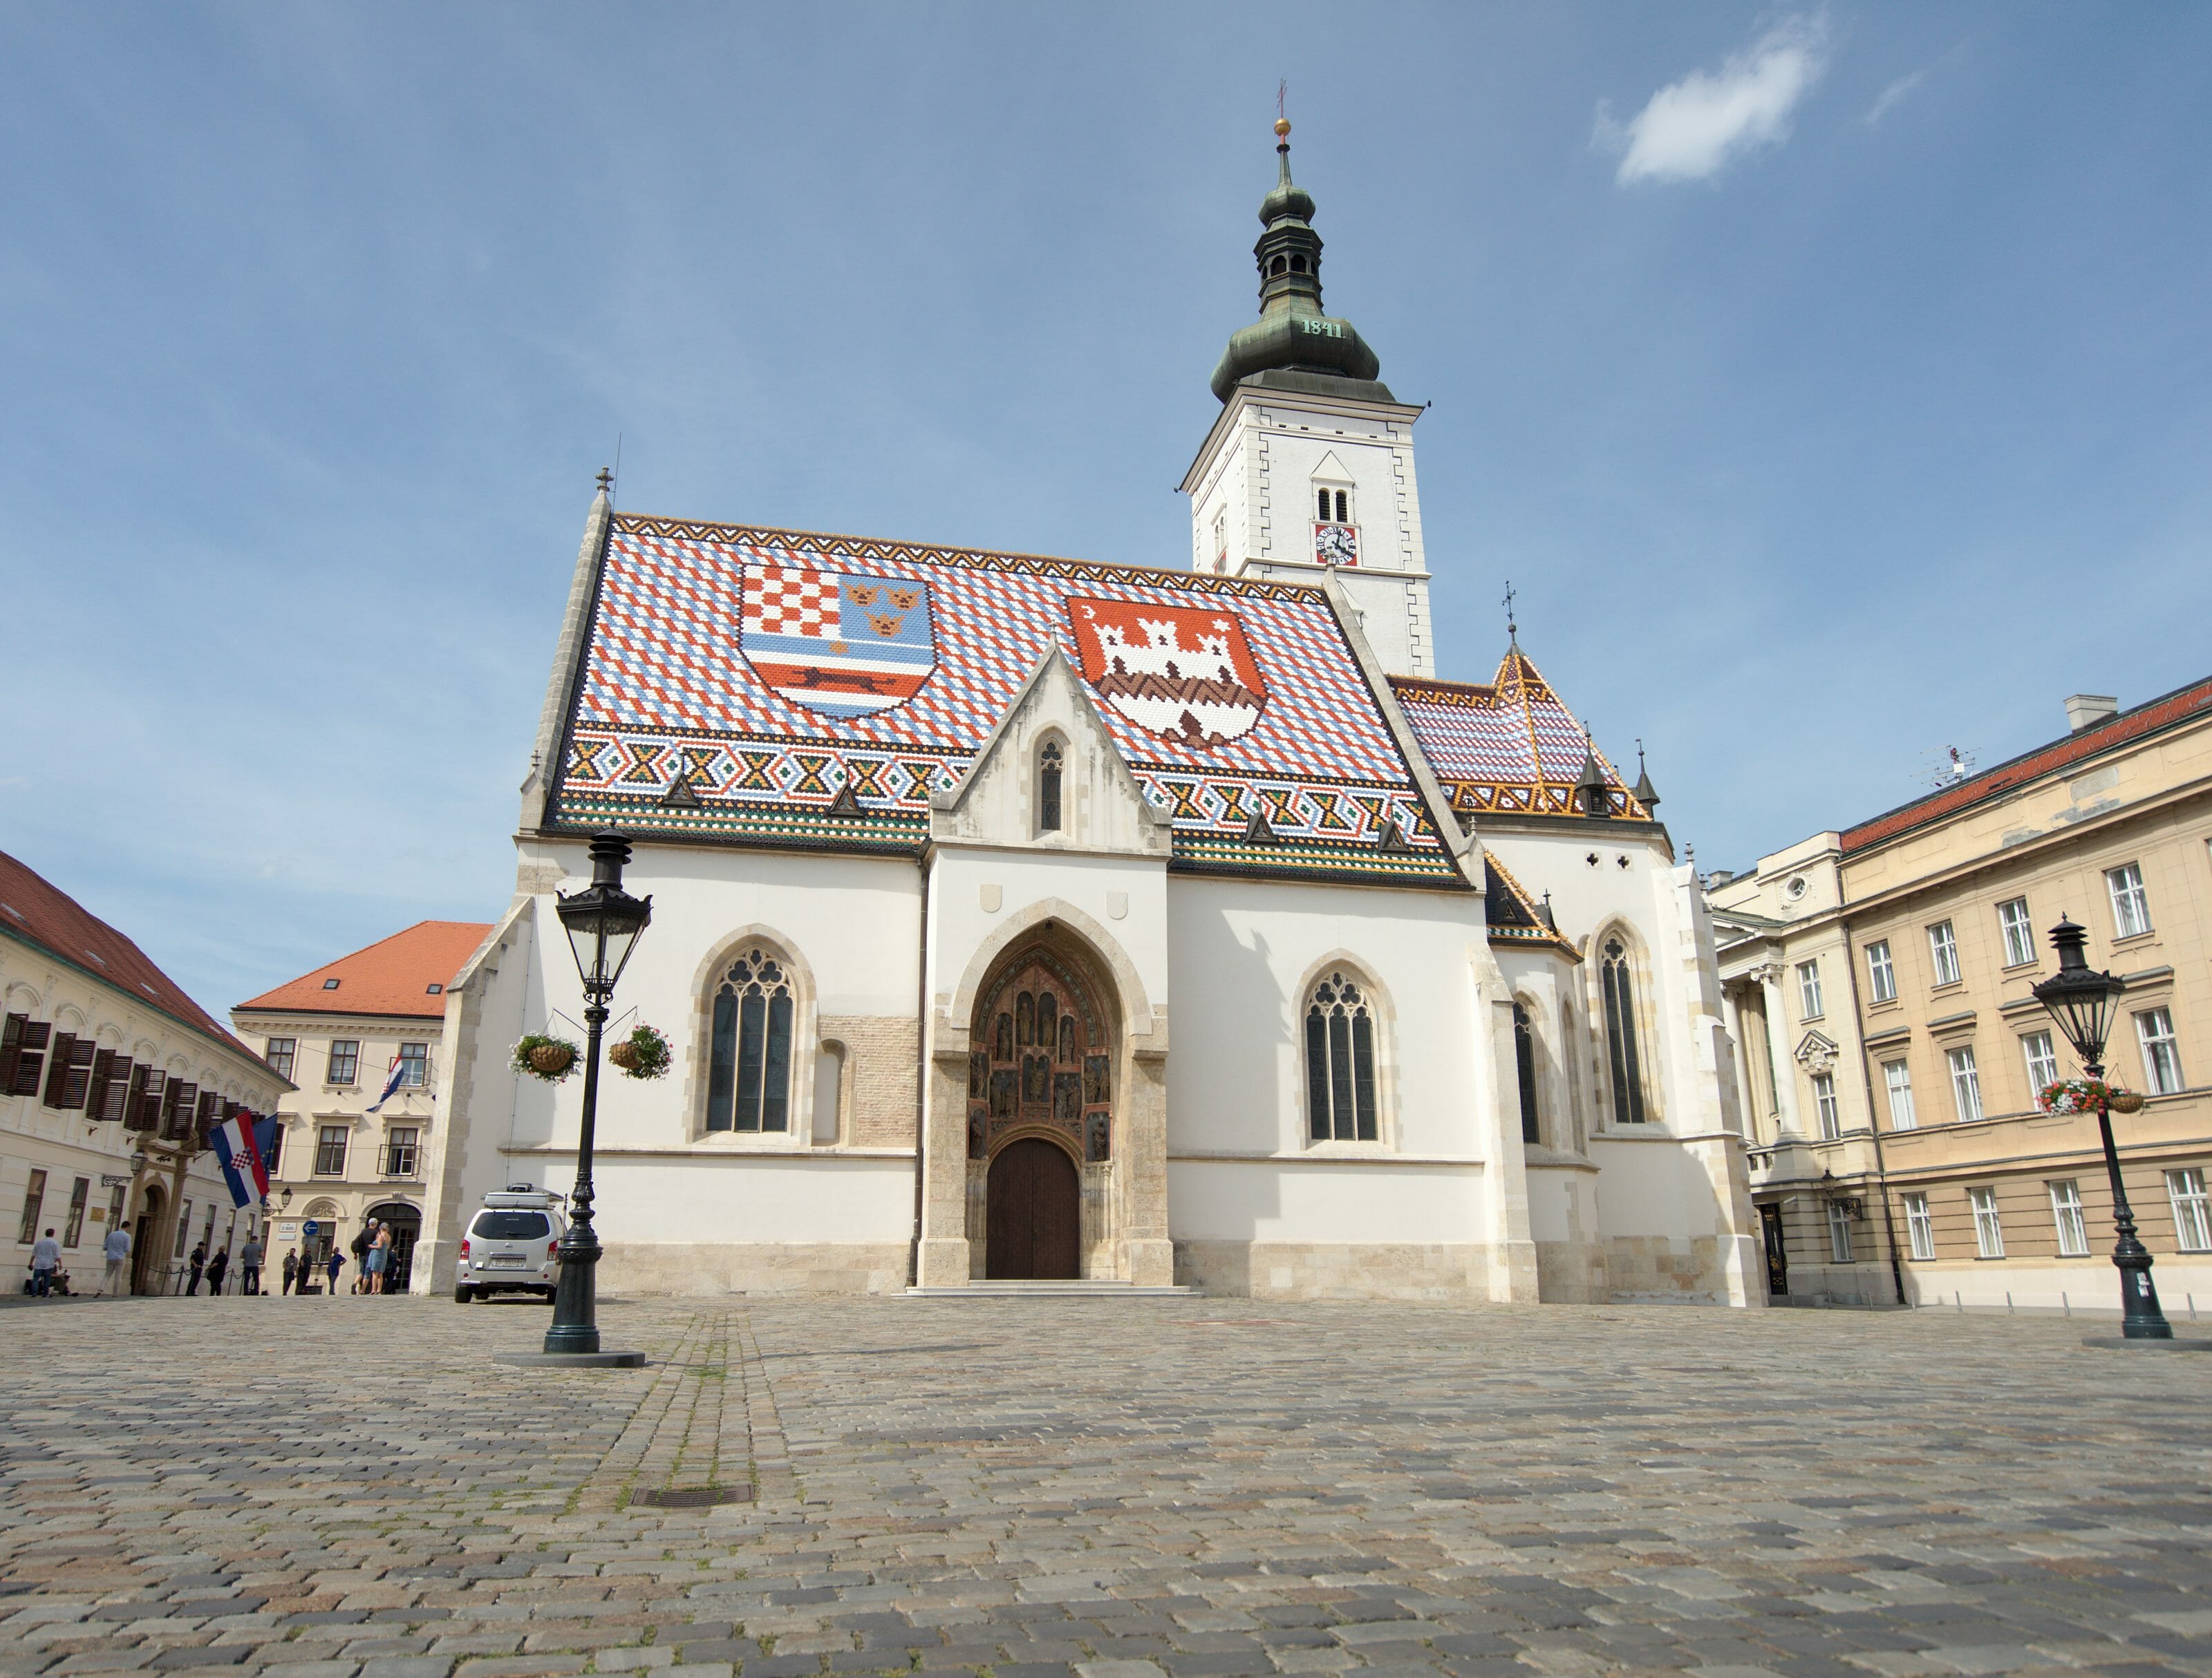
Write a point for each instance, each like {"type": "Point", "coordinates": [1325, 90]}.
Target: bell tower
{"type": "Point", "coordinates": [1309, 468]}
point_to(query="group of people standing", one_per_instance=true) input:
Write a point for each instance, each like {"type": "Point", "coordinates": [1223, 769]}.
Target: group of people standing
{"type": "Point", "coordinates": [372, 1259]}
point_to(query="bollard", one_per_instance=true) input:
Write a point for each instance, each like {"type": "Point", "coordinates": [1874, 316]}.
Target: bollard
{"type": "Point", "coordinates": [1959, 1300]}
{"type": "Point", "coordinates": [2009, 1302]}
{"type": "Point", "coordinates": [2065, 1304]}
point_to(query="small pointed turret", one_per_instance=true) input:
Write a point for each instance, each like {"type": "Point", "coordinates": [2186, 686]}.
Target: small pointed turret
{"type": "Point", "coordinates": [1646, 794]}
{"type": "Point", "coordinates": [1590, 790]}
{"type": "Point", "coordinates": [1293, 333]}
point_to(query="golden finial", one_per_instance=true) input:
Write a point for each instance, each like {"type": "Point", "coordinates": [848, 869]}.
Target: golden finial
{"type": "Point", "coordinates": [1282, 127]}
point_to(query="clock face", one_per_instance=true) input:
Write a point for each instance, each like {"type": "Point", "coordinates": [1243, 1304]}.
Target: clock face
{"type": "Point", "coordinates": [1336, 544]}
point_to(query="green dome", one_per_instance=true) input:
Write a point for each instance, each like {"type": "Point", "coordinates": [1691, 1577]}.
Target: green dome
{"type": "Point", "coordinates": [1292, 334]}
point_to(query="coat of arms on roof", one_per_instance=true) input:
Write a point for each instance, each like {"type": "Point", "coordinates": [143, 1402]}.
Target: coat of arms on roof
{"type": "Point", "coordinates": [1185, 672]}
{"type": "Point", "coordinates": [837, 642]}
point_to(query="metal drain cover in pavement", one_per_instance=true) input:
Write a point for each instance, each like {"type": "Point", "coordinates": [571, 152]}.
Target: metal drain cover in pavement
{"type": "Point", "coordinates": [695, 1497]}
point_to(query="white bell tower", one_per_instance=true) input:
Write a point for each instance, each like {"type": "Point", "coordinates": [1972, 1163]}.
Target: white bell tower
{"type": "Point", "coordinates": [1309, 467]}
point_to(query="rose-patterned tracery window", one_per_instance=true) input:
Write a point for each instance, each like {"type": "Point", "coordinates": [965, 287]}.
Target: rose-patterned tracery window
{"type": "Point", "coordinates": [1340, 1061]}
{"type": "Point", "coordinates": [748, 1068]}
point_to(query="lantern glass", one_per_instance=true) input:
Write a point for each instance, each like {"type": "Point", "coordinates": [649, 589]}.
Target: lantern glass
{"type": "Point", "coordinates": [2078, 998]}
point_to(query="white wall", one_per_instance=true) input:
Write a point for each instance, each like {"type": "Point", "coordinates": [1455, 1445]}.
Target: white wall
{"type": "Point", "coordinates": [1380, 1203]}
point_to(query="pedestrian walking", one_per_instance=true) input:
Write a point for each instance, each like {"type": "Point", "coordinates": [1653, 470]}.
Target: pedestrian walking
{"type": "Point", "coordinates": [117, 1250]}
{"type": "Point", "coordinates": [249, 1266]}
{"type": "Point", "coordinates": [199, 1263]}
{"type": "Point", "coordinates": [335, 1263]}
{"type": "Point", "coordinates": [291, 1267]}
{"type": "Point", "coordinates": [45, 1259]}
{"type": "Point", "coordinates": [218, 1266]}
{"type": "Point", "coordinates": [358, 1247]}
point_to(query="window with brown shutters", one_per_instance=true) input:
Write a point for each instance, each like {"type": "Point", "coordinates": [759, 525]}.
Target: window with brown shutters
{"type": "Point", "coordinates": [115, 1105]}
{"type": "Point", "coordinates": [210, 1115]}
{"type": "Point", "coordinates": [96, 1083]}
{"type": "Point", "coordinates": [146, 1090]}
{"type": "Point", "coordinates": [58, 1066]}
{"type": "Point", "coordinates": [11, 1047]}
{"type": "Point", "coordinates": [177, 1104]}
{"type": "Point", "coordinates": [30, 1056]}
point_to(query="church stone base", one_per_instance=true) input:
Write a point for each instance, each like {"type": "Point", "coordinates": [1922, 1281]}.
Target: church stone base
{"type": "Point", "coordinates": [762, 1267]}
{"type": "Point", "coordinates": [1569, 1273]}
{"type": "Point", "coordinates": [1660, 1269]}
{"type": "Point", "coordinates": [1317, 1271]}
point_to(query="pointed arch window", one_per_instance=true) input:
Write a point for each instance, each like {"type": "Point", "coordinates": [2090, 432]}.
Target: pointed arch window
{"type": "Point", "coordinates": [748, 1068]}
{"type": "Point", "coordinates": [1624, 1058]}
{"type": "Point", "coordinates": [1050, 761]}
{"type": "Point", "coordinates": [1524, 1064]}
{"type": "Point", "coordinates": [1340, 1061]}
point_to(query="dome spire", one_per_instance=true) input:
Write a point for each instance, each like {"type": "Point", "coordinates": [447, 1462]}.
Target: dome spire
{"type": "Point", "coordinates": [1291, 334]}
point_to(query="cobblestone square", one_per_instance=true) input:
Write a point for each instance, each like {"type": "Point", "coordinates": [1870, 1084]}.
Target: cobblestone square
{"type": "Point", "coordinates": [1199, 1489]}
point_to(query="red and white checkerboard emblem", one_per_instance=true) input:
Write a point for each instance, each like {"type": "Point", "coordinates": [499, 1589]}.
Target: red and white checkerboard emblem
{"type": "Point", "coordinates": [782, 601]}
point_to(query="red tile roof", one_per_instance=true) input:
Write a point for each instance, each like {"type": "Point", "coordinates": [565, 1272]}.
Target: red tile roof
{"type": "Point", "coordinates": [393, 976]}
{"type": "Point", "coordinates": [2118, 730]}
{"type": "Point", "coordinates": [34, 909]}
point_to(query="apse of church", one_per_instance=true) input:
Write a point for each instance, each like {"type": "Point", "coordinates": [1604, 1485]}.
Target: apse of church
{"type": "Point", "coordinates": [1031, 922]}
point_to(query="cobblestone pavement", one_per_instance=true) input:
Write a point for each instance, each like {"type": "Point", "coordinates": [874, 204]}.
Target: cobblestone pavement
{"type": "Point", "coordinates": [350, 1488]}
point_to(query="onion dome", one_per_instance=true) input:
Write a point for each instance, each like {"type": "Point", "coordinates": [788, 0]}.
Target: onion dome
{"type": "Point", "coordinates": [1292, 334]}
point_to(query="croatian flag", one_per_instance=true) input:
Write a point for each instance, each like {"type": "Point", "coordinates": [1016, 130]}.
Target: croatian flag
{"type": "Point", "coordinates": [232, 1141]}
{"type": "Point", "coordinates": [399, 1072]}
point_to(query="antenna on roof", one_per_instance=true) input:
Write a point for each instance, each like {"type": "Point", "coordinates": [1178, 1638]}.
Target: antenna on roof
{"type": "Point", "coordinates": [1948, 767]}
{"type": "Point", "coordinates": [618, 443]}
{"type": "Point", "coordinates": [1512, 629]}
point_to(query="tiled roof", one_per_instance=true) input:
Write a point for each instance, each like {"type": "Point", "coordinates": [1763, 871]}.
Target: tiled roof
{"type": "Point", "coordinates": [2144, 719]}
{"type": "Point", "coordinates": [786, 688]}
{"type": "Point", "coordinates": [32, 909]}
{"type": "Point", "coordinates": [1511, 913]}
{"type": "Point", "coordinates": [394, 976]}
{"type": "Point", "coordinates": [1510, 747]}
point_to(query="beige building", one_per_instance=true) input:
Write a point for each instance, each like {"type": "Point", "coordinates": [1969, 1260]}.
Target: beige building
{"type": "Point", "coordinates": [1879, 986]}
{"type": "Point", "coordinates": [360, 1038]}
{"type": "Point", "coordinates": [110, 1078]}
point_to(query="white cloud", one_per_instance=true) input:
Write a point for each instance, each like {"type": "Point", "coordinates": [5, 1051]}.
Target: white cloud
{"type": "Point", "coordinates": [1894, 92]}
{"type": "Point", "coordinates": [1690, 128]}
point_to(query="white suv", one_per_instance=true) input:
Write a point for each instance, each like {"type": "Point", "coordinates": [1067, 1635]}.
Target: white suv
{"type": "Point", "coordinates": [511, 1245]}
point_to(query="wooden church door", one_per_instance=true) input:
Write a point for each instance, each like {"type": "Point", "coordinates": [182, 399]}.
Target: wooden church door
{"type": "Point", "coordinates": [1035, 1214]}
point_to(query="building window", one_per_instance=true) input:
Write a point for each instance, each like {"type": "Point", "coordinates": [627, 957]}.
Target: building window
{"type": "Point", "coordinates": [1221, 540]}
{"type": "Point", "coordinates": [1989, 1235]}
{"type": "Point", "coordinates": [399, 1153]}
{"type": "Point", "coordinates": [1943, 947]}
{"type": "Point", "coordinates": [1809, 990]}
{"type": "Point", "coordinates": [1919, 1227]}
{"type": "Point", "coordinates": [276, 1147]}
{"type": "Point", "coordinates": [749, 1069]}
{"type": "Point", "coordinates": [115, 1208]}
{"type": "Point", "coordinates": [2192, 1215]}
{"type": "Point", "coordinates": [73, 1230]}
{"type": "Point", "coordinates": [1965, 1083]}
{"type": "Point", "coordinates": [345, 1062]}
{"type": "Point", "coordinates": [1824, 1103]}
{"type": "Point", "coordinates": [2161, 1054]}
{"type": "Point", "coordinates": [2041, 1063]}
{"type": "Point", "coordinates": [279, 1055]}
{"type": "Point", "coordinates": [2019, 935]}
{"type": "Point", "coordinates": [1623, 1056]}
{"type": "Point", "coordinates": [34, 1196]}
{"type": "Point", "coordinates": [1897, 1076]}
{"type": "Point", "coordinates": [1339, 1062]}
{"type": "Point", "coordinates": [330, 1151]}
{"type": "Point", "coordinates": [1332, 506]}
{"type": "Point", "coordinates": [414, 1065]}
{"type": "Point", "coordinates": [2066, 1213]}
{"type": "Point", "coordinates": [1524, 1065]}
{"type": "Point", "coordinates": [2130, 905]}
{"type": "Point", "coordinates": [1880, 973]}
{"type": "Point", "coordinates": [1839, 1233]}
{"type": "Point", "coordinates": [23, 1054]}
{"type": "Point", "coordinates": [1048, 765]}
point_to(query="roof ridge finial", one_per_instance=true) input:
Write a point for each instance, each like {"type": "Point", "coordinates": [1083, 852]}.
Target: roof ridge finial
{"type": "Point", "coordinates": [606, 483]}
{"type": "Point", "coordinates": [1282, 130]}
{"type": "Point", "coordinates": [1512, 629]}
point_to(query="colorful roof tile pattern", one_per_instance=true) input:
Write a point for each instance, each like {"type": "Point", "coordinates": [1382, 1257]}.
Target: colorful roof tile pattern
{"type": "Point", "coordinates": [1510, 748]}
{"type": "Point", "coordinates": [784, 687]}
{"type": "Point", "coordinates": [2151, 717]}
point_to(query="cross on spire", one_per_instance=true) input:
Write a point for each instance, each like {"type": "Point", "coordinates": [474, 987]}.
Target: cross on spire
{"type": "Point", "coordinates": [1512, 629]}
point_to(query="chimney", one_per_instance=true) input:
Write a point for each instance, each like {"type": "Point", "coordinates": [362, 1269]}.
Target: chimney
{"type": "Point", "coordinates": [2086, 711]}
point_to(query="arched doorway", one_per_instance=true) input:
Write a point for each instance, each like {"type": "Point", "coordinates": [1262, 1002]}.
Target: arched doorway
{"type": "Point", "coordinates": [406, 1223]}
{"type": "Point", "coordinates": [1040, 1100]}
{"type": "Point", "coordinates": [1035, 1221]}
{"type": "Point", "coordinates": [146, 1267]}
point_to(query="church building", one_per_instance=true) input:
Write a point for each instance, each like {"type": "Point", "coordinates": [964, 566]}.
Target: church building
{"type": "Point", "coordinates": [1029, 919]}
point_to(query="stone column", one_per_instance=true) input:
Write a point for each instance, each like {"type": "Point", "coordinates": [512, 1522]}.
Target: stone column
{"type": "Point", "coordinates": [1779, 1065]}
{"type": "Point", "coordinates": [944, 1259]}
{"type": "Point", "coordinates": [1147, 1257]}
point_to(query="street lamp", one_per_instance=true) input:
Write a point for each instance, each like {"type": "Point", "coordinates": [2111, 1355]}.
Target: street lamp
{"type": "Point", "coordinates": [2081, 1000]}
{"type": "Point", "coordinates": [603, 923]}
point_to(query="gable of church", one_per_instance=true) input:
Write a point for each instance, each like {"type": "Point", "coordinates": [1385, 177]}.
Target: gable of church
{"type": "Point", "coordinates": [818, 691]}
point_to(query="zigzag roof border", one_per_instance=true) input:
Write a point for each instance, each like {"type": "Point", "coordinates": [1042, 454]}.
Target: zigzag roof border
{"type": "Point", "coordinates": [1537, 934]}
{"type": "Point", "coordinates": [885, 551]}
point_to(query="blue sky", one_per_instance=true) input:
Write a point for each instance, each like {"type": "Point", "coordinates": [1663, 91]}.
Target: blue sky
{"type": "Point", "coordinates": [1831, 381]}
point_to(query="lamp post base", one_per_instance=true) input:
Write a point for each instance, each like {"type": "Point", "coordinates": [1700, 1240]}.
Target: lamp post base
{"type": "Point", "coordinates": [572, 1360]}
{"type": "Point", "coordinates": [2107, 1341]}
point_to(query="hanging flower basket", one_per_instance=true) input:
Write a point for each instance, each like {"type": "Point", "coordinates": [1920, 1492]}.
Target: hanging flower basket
{"type": "Point", "coordinates": [551, 1058]}
{"type": "Point", "coordinates": [2086, 1095]}
{"type": "Point", "coordinates": [643, 1054]}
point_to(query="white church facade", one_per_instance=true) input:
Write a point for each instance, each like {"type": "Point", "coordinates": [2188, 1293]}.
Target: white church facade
{"type": "Point", "coordinates": [1023, 918]}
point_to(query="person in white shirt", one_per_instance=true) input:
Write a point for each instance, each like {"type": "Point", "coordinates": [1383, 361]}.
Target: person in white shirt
{"type": "Point", "coordinates": [45, 1259]}
{"type": "Point", "coordinates": [117, 1247]}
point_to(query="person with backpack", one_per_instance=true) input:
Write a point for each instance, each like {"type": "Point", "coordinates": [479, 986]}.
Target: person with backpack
{"type": "Point", "coordinates": [218, 1266]}
{"type": "Point", "coordinates": [358, 1247]}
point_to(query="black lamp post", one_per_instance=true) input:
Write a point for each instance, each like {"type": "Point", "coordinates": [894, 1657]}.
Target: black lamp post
{"type": "Point", "coordinates": [2081, 1000]}
{"type": "Point", "coordinates": [603, 921]}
